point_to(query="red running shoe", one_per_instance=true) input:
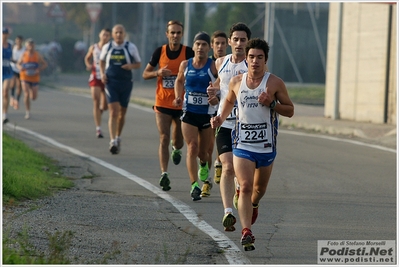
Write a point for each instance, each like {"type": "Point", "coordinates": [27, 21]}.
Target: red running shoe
{"type": "Point", "coordinates": [247, 240]}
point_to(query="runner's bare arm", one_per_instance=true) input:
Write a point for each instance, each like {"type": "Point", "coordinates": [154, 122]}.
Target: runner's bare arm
{"type": "Point", "coordinates": [131, 66]}
{"type": "Point", "coordinates": [102, 71]}
{"type": "Point", "coordinates": [276, 90]}
{"type": "Point", "coordinates": [229, 103]}
{"type": "Point", "coordinates": [179, 84]}
{"type": "Point", "coordinates": [88, 57]}
{"type": "Point", "coordinates": [150, 72]}
{"type": "Point", "coordinates": [42, 63]}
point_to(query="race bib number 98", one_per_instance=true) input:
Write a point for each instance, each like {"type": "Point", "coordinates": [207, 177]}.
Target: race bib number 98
{"type": "Point", "coordinates": [197, 99]}
{"type": "Point", "coordinates": [168, 82]}
{"type": "Point", "coordinates": [253, 133]}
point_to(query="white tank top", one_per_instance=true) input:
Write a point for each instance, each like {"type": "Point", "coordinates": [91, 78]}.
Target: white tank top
{"type": "Point", "coordinates": [96, 62]}
{"type": "Point", "coordinates": [256, 127]}
{"type": "Point", "coordinates": [16, 55]}
{"type": "Point", "coordinates": [227, 71]}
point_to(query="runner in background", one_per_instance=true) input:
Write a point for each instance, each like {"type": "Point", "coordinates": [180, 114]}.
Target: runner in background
{"type": "Point", "coordinates": [7, 72]}
{"type": "Point", "coordinates": [16, 86]}
{"type": "Point", "coordinates": [92, 61]}
{"type": "Point", "coordinates": [31, 63]}
{"type": "Point", "coordinates": [219, 46]}
{"type": "Point", "coordinates": [117, 60]}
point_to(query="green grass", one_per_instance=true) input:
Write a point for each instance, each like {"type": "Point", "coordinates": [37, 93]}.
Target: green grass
{"type": "Point", "coordinates": [20, 251]}
{"type": "Point", "coordinates": [307, 94]}
{"type": "Point", "coordinates": [28, 174]}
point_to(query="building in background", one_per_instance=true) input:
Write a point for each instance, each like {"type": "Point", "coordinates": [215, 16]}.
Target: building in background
{"type": "Point", "coordinates": [361, 82]}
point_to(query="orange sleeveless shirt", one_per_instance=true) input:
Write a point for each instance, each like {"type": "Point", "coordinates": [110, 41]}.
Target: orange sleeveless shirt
{"type": "Point", "coordinates": [165, 93]}
{"type": "Point", "coordinates": [31, 62]}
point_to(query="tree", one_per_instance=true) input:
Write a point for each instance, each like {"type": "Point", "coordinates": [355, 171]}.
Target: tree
{"type": "Point", "coordinates": [226, 14]}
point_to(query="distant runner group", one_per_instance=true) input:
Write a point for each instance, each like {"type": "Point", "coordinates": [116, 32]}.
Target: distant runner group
{"type": "Point", "coordinates": [21, 72]}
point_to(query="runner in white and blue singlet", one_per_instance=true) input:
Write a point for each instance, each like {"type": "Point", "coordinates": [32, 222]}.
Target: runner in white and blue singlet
{"type": "Point", "coordinates": [261, 96]}
{"type": "Point", "coordinates": [256, 128]}
{"type": "Point", "coordinates": [229, 66]}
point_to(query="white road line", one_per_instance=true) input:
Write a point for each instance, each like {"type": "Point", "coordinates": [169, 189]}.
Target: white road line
{"type": "Point", "coordinates": [232, 253]}
{"type": "Point", "coordinates": [339, 140]}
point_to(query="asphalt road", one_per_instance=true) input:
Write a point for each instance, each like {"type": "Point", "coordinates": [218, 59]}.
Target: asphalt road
{"type": "Point", "coordinates": [321, 189]}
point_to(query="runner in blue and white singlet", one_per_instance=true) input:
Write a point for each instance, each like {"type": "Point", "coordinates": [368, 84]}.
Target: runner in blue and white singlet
{"type": "Point", "coordinates": [7, 73]}
{"type": "Point", "coordinates": [116, 55]}
{"type": "Point", "coordinates": [197, 80]}
{"type": "Point", "coordinates": [117, 60]}
{"type": "Point", "coordinates": [194, 77]}
{"type": "Point", "coordinates": [7, 57]}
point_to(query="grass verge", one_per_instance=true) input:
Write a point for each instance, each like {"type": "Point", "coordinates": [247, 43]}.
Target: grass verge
{"type": "Point", "coordinates": [28, 174]}
{"type": "Point", "coordinates": [307, 94]}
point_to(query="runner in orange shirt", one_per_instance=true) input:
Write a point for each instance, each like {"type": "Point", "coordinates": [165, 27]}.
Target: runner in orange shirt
{"type": "Point", "coordinates": [31, 64]}
{"type": "Point", "coordinates": [168, 58]}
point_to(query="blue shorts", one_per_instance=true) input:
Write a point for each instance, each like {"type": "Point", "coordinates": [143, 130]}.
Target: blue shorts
{"type": "Point", "coordinates": [7, 75]}
{"type": "Point", "coordinates": [119, 91]}
{"type": "Point", "coordinates": [260, 159]}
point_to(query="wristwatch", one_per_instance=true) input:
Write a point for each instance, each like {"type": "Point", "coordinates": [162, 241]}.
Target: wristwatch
{"type": "Point", "coordinates": [273, 104]}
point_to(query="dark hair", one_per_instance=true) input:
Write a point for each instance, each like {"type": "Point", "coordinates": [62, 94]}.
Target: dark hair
{"type": "Point", "coordinates": [240, 26]}
{"type": "Point", "coordinates": [19, 37]}
{"type": "Point", "coordinates": [257, 43]}
{"type": "Point", "coordinates": [217, 34]}
{"type": "Point", "coordinates": [106, 29]}
{"type": "Point", "coordinates": [174, 22]}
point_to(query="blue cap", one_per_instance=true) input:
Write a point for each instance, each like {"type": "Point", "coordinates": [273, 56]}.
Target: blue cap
{"type": "Point", "coordinates": [5, 30]}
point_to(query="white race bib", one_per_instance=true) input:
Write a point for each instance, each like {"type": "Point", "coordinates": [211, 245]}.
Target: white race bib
{"type": "Point", "coordinates": [233, 114]}
{"type": "Point", "coordinates": [197, 99]}
{"type": "Point", "coordinates": [168, 82]}
{"type": "Point", "coordinates": [31, 72]}
{"type": "Point", "coordinates": [253, 133]}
